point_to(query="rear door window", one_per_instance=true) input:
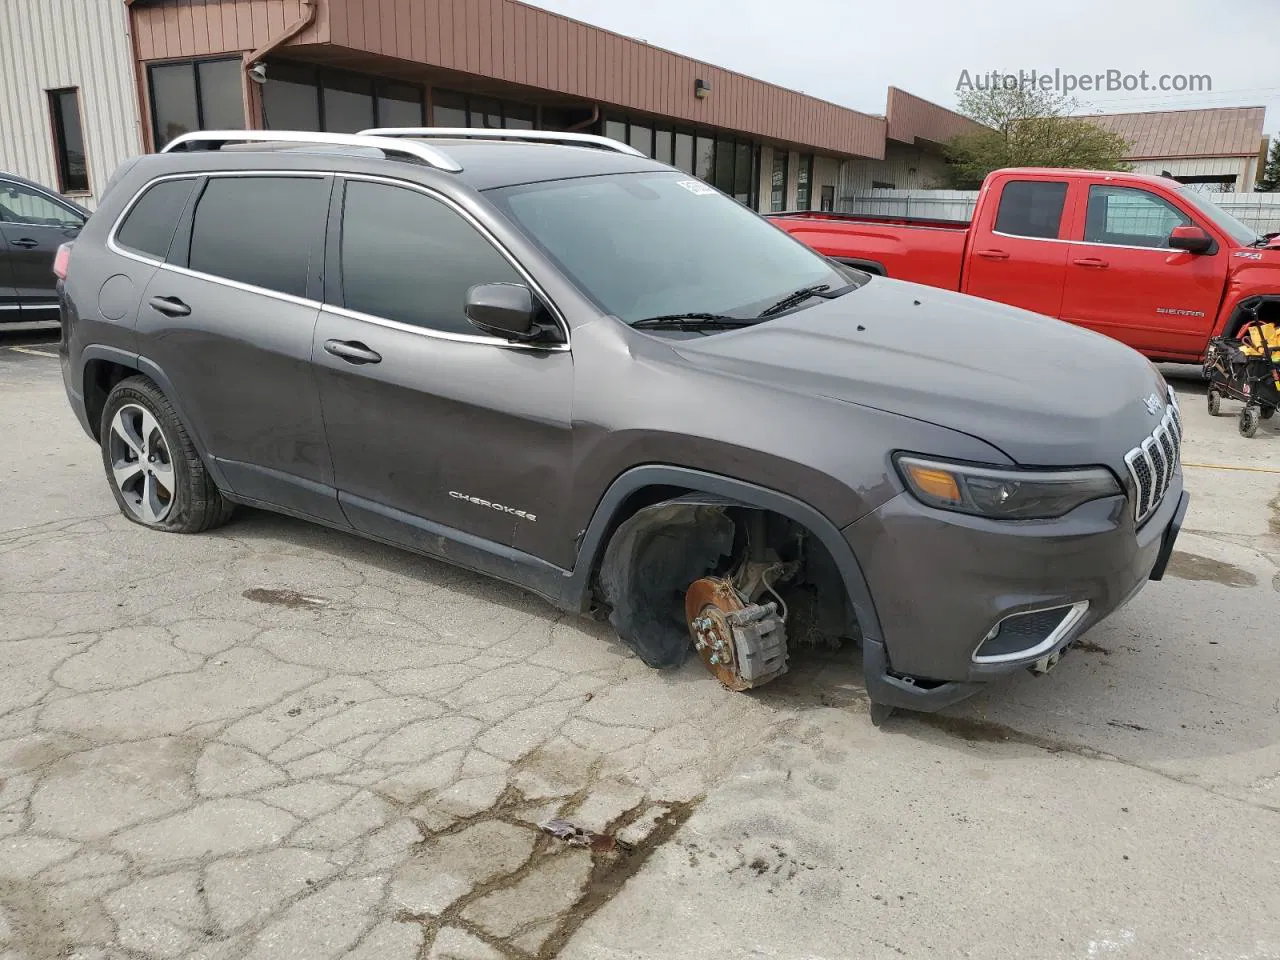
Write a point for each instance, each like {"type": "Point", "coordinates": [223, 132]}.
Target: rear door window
{"type": "Point", "coordinates": [262, 231]}
{"type": "Point", "coordinates": [149, 227]}
{"type": "Point", "coordinates": [1031, 208]}
{"type": "Point", "coordinates": [1128, 217]}
{"type": "Point", "coordinates": [410, 258]}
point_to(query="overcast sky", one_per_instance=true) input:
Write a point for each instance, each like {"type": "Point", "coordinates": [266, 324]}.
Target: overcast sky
{"type": "Point", "coordinates": [849, 51]}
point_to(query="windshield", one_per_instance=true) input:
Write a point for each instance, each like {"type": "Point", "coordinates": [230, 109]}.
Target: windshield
{"type": "Point", "coordinates": [1225, 222]}
{"type": "Point", "coordinates": [653, 244]}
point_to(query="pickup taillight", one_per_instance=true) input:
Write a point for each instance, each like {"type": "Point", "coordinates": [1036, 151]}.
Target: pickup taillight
{"type": "Point", "coordinates": [62, 260]}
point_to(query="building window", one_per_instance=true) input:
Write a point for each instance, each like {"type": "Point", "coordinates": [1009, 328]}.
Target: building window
{"type": "Point", "coordinates": [684, 152]}
{"type": "Point", "coordinates": [68, 141]}
{"type": "Point", "coordinates": [452, 109]}
{"type": "Point", "coordinates": [662, 146]}
{"type": "Point", "coordinates": [616, 130]}
{"type": "Point", "coordinates": [398, 104]}
{"type": "Point", "coordinates": [196, 95]}
{"type": "Point", "coordinates": [804, 182]}
{"type": "Point", "coordinates": [828, 202]}
{"type": "Point", "coordinates": [704, 158]}
{"type": "Point", "coordinates": [641, 137]}
{"type": "Point", "coordinates": [448, 109]}
{"type": "Point", "coordinates": [778, 183]}
{"type": "Point", "coordinates": [297, 97]}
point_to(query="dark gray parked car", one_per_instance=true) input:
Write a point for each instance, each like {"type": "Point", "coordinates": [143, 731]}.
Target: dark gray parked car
{"type": "Point", "coordinates": [34, 222]}
{"type": "Point", "coordinates": [557, 362]}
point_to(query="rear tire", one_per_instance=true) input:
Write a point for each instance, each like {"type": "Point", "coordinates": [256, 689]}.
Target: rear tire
{"type": "Point", "coordinates": [1268, 413]}
{"type": "Point", "coordinates": [153, 469]}
{"type": "Point", "coordinates": [1215, 402]}
{"type": "Point", "coordinates": [1250, 416]}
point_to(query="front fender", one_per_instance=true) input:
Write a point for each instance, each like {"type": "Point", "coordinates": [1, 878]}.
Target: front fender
{"type": "Point", "coordinates": [613, 510]}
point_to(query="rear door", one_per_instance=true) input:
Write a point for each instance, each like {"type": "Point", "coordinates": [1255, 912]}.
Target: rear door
{"type": "Point", "coordinates": [440, 423]}
{"type": "Point", "coordinates": [1124, 280]}
{"type": "Point", "coordinates": [33, 224]}
{"type": "Point", "coordinates": [229, 320]}
{"type": "Point", "coordinates": [1016, 254]}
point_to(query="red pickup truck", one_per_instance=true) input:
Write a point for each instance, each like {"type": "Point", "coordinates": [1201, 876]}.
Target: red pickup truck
{"type": "Point", "coordinates": [1139, 258]}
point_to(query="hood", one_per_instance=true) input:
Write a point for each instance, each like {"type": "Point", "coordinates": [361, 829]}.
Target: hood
{"type": "Point", "coordinates": [1044, 392]}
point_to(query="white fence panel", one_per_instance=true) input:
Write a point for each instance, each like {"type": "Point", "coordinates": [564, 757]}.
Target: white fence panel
{"type": "Point", "coordinates": [1260, 211]}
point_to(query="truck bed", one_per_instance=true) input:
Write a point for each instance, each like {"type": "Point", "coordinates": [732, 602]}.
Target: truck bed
{"type": "Point", "coordinates": [931, 253]}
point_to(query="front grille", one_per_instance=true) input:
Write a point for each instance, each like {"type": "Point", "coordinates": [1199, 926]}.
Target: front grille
{"type": "Point", "coordinates": [1153, 463]}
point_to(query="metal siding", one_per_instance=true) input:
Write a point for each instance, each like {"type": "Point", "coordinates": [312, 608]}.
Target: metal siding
{"type": "Point", "coordinates": [523, 45]}
{"type": "Point", "coordinates": [38, 53]}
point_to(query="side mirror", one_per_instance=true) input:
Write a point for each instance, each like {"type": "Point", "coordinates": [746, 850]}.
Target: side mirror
{"type": "Point", "coordinates": [503, 310]}
{"type": "Point", "coordinates": [1191, 239]}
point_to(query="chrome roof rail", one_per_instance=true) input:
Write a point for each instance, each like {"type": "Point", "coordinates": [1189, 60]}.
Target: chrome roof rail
{"type": "Point", "coordinates": [418, 151]}
{"type": "Point", "coordinates": [488, 133]}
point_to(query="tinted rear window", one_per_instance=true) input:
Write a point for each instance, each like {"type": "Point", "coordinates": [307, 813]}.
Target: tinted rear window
{"type": "Point", "coordinates": [260, 230]}
{"type": "Point", "coordinates": [1031, 208]}
{"type": "Point", "coordinates": [150, 225]}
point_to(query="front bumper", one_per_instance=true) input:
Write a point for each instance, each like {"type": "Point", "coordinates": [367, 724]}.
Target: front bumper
{"type": "Point", "coordinates": [941, 581]}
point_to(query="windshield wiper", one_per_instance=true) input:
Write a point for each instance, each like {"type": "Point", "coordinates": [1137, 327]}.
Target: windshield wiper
{"type": "Point", "coordinates": [806, 293]}
{"type": "Point", "coordinates": [692, 321]}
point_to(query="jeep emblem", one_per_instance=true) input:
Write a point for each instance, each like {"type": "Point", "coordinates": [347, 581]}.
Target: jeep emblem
{"type": "Point", "coordinates": [1153, 404]}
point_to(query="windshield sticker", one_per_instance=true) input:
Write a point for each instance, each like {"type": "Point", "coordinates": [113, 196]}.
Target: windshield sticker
{"type": "Point", "coordinates": [697, 187]}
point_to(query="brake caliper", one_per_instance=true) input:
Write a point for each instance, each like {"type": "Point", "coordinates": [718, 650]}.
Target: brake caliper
{"type": "Point", "coordinates": [743, 645]}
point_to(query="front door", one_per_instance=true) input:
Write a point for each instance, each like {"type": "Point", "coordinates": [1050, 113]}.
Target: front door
{"type": "Point", "coordinates": [8, 292]}
{"type": "Point", "coordinates": [1124, 281]}
{"type": "Point", "coordinates": [1015, 256]}
{"type": "Point", "coordinates": [33, 224]}
{"type": "Point", "coordinates": [427, 418]}
{"type": "Point", "coordinates": [229, 321]}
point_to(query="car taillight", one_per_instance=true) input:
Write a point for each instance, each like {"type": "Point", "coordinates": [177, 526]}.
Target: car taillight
{"type": "Point", "coordinates": [61, 261]}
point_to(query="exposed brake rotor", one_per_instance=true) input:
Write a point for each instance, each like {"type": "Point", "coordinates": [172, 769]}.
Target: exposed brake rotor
{"type": "Point", "coordinates": [742, 645]}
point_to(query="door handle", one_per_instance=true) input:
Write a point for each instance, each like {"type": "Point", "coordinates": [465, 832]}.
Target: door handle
{"type": "Point", "coordinates": [25, 242]}
{"type": "Point", "coordinates": [993, 254]}
{"type": "Point", "coordinates": [170, 306]}
{"type": "Point", "coordinates": [1091, 262]}
{"type": "Point", "coordinates": [352, 351]}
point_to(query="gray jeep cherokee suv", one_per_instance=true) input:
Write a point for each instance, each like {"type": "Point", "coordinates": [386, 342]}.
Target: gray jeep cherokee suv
{"type": "Point", "coordinates": [554, 361]}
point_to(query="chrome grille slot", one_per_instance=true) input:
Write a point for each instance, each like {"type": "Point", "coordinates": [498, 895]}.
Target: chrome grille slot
{"type": "Point", "coordinates": [1154, 463]}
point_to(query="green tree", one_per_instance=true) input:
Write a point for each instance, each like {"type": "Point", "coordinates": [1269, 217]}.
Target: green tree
{"type": "Point", "coordinates": [1027, 127]}
{"type": "Point", "coordinates": [1270, 181]}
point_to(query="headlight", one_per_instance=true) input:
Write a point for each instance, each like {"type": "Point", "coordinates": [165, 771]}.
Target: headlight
{"type": "Point", "coordinates": [1003, 494]}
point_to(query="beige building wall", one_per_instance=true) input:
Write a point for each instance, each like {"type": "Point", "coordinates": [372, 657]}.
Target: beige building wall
{"type": "Point", "coordinates": [1244, 169]}
{"type": "Point", "coordinates": [57, 44]}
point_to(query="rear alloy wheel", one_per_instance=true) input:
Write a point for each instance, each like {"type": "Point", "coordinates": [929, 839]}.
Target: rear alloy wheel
{"type": "Point", "coordinates": [1215, 402]}
{"type": "Point", "coordinates": [155, 473]}
{"type": "Point", "coordinates": [1250, 416]}
{"type": "Point", "coordinates": [141, 464]}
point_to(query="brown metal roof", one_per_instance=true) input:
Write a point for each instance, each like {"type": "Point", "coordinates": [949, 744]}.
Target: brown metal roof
{"type": "Point", "coordinates": [911, 118]}
{"type": "Point", "coordinates": [1220, 132]}
{"type": "Point", "coordinates": [520, 44]}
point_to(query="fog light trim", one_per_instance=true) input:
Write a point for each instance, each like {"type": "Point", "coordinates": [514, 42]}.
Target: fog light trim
{"type": "Point", "coordinates": [1073, 615]}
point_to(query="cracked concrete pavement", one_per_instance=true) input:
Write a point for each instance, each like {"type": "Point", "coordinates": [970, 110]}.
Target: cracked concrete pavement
{"type": "Point", "coordinates": [279, 741]}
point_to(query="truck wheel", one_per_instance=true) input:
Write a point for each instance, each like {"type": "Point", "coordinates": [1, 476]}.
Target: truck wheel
{"type": "Point", "coordinates": [153, 469]}
{"type": "Point", "coordinates": [1215, 402]}
{"type": "Point", "coordinates": [1268, 413]}
{"type": "Point", "coordinates": [1249, 419]}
